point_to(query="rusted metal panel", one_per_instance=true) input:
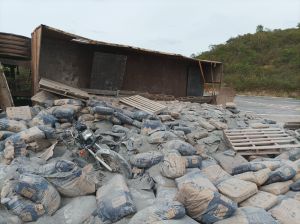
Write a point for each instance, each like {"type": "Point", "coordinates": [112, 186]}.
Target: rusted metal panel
{"type": "Point", "coordinates": [14, 46]}
{"type": "Point", "coordinates": [107, 71]}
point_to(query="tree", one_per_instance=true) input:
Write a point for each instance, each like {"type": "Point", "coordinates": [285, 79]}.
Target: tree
{"type": "Point", "coordinates": [259, 28]}
{"type": "Point", "coordinates": [298, 25]}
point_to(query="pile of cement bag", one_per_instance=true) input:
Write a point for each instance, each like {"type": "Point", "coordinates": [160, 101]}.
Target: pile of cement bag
{"type": "Point", "coordinates": [173, 167]}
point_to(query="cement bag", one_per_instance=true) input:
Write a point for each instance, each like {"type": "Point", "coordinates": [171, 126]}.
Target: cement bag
{"type": "Point", "coordinates": [7, 218]}
{"type": "Point", "coordinates": [193, 161]}
{"type": "Point", "coordinates": [69, 179]}
{"type": "Point", "coordinates": [74, 102]}
{"type": "Point", "coordinates": [277, 188]}
{"type": "Point", "coordinates": [283, 173]}
{"type": "Point", "coordinates": [196, 178]}
{"type": "Point", "coordinates": [295, 186]}
{"type": "Point", "coordinates": [173, 165]}
{"type": "Point", "coordinates": [6, 172]}
{"type": "Point", "coordinates": [158, 178]}
{"type": "Point", "coordinates": [146, 159]}
{"type": "Point", "coordinates": [159, 211]}
{"type": "Point", "coordinates": [261, 199]}
{"type": "Point", "coordinates": [151, 126]}
{"type": "Point", "coordinates": [215, 174]}
{"type": "Point", "coordinates": [5, 134]}
{"type": "Point", "coordinates": [236, 189]}
{"type": "Point", "coordinates": [103, 110]}
{"type": "Point", "coordinates": [30, 197]}
{"type": "Point", "coordinates": [114, 200]}
{"type": "Point", "coordinates": [63, 113]}
{"type": "Point", "coordinates": [292, 154]}
{"type": "Point", "coordinates": [166, 193]}
{"type": "Point", "coordinates": [228, 162]}
{"type": "Point", "coordinates": [258, 177]}
{"type": "Point", "coordinates": [123, 118]}
{"type": "Point", "coordinates": [76, 211]}
{"type": "Point", "coordinates": [44, 118]}
{"type": "Point", "coordinates": [160, 137]}
{"type": "Point", "coordinates": [185, 220]}
{"type": "Point", "coordinates": [38, 190]}
{"type": "Point", "coordinates": [205, 205]}
{"type": "Point", "coordinates": [12, 125]}
{"type": "Point", "coordinates": [249, 215]}
{"type": "Point", "coordinates": [255, 166]}
{"type": "Point", "coordinates": [140, 115]}
{"type": "Point", "coordinates": [184, 148]}
{"type": "Point", "coordinates": [287, 212]}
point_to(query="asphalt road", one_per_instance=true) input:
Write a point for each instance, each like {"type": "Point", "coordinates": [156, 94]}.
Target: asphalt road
{"type": "Point", "coordinates": [276, 108]}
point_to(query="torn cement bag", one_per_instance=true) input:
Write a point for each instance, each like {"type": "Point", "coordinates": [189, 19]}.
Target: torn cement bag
{"type": "Point", "coordinates": [114, 200]}
{"type": "Point", "coordinates": [277, 188]}
{"type": "Point", "coordinates": [205, 205]}
{"type": "Point", "coordinates": [5, 134]}
{"type": "Point", "coordinates": [69, 179]}
{"type": "Point", "coordinates": [184, 148]}
{"type": "Point", "coordinates": [151, 126]}
{"type": "Point", "coordinates": [283, 173]}
{"type": "Point", "coordinates": [258, 177]}
{"type": "Point", "coordinates": [255, 166]}
{"type": "Point", "coordinates": [261, 199]}
{"type": "Point", "coordinates": [44, 118]}
{"type": "Point", "coordinates": [197, 179]}
{"type": "Point", "coordinates": [173, 165]}
{"type": "Point", "coordinates": [249, 215]}
{"type": "Point", "coordinates": [295, 186]}
{"type": "Point", "coordinates": [12, 125]}
{"type": "Point", "coordinates": [103, 110]}
{"type": "Point", "coordinates": [159, 211]}
{"type": "Point", "coordinates": [30, 197]}
{"type": "Point", "coordinates": [193, 161]}
{"type": "Point", "coordinates": [236, 189]}
{"type": "Point", "coordinates": [61, 102]}
{"type": "Point", "coordinates": [146, 159]}
{"type": "Point", "coordinates": [13, 150]}
{"type": "Point", "coordinates": [76, 211]}
{"type": "Point", "coordinates": [287, 212]}
{"type": "Point", "coordinates": [215, 174]}
{"type": "Point", "coordinates": [158, 178]}
{"type": "Point", "coordinates": [38, 190]}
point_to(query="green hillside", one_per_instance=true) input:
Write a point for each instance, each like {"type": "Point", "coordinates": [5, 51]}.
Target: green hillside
{"type": "Point", "coordinates": [265, 61]}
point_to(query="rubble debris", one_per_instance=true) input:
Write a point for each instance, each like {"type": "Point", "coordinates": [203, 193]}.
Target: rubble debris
{"type": "Point", "coordinates": [164, 168]}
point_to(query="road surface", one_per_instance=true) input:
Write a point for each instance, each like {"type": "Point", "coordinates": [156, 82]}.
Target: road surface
{"type": "Point", "coordinates": [275, 108]}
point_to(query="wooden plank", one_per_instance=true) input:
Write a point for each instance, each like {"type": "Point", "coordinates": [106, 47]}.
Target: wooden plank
{"type": "Point", "coordinates": [268, 147]}
{"type": "Point", "coordinates": [251, 129]}
{"type": "Point", "coordinates": [263, 142]}
{"type": "Point", "coordinates": [62, 89]}
{"type": "Point", "coordinates": [258, 136]}
{"type": "Point", "coordinates": [260, 139]}
{"type": "Point", "coordinates": [42, 96]}
{"type": "Point", "coordinates": [143, 103]}
{"type": "Point", "coordinates": [6, 99]}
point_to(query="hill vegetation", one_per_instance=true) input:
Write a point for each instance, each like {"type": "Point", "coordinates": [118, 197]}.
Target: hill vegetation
{"type": "Point", "coordinates": [266, 61]}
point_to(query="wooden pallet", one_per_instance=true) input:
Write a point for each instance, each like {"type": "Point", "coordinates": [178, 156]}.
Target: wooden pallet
{"type": "Point", "coordinates": [144, 104]}
{"type": "Point", "coordinates": [259, 141]}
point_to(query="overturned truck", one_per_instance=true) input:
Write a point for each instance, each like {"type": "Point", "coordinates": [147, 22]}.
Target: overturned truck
{"type": "Point", "coordinates": [99, 66]}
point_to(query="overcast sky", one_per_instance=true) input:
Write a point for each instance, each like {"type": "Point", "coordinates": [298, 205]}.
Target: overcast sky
{"type": "Point", "coordinates": [178, 26]}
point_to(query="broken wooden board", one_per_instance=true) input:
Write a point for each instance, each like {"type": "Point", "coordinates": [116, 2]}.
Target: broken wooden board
{"type": "Point", "coordinates": [6, 99]}
{"type": "Point", "coordinates": [19, 113]}
{"type": "Point", "coordinates": [144, 104]}
{"type": "Point", "coordinates": [259, 141]}
{"type": "Point", "coordinates": [43, 96]}
{"type": "Point", "coordinates": [62, 89]}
